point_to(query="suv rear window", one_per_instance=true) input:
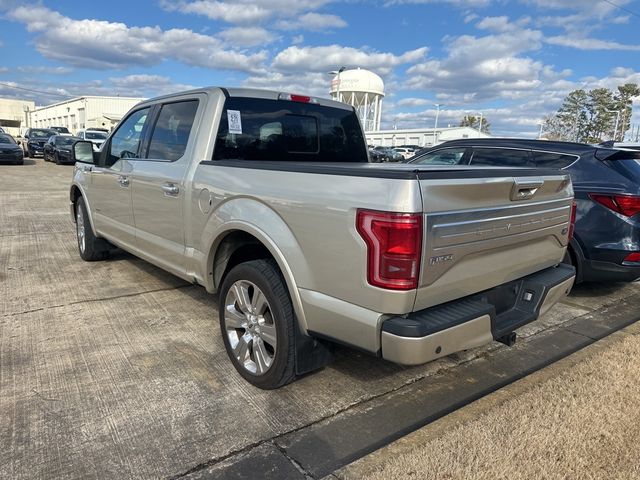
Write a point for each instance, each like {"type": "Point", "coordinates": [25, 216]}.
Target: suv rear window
{"type": "Point", "coordinates": [277, 130]}
{"type": "Point", "coordinates": [500, 157]}
{"type": "Point", "coordinates": [552, 160]}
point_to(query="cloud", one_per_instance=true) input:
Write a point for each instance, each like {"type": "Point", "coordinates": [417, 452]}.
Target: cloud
{"type": "Point", "coordinates": [325, 58]}
{"type": "Point", "coordinates": [244, 11]}
{"type": "Point", "coordinates": [313, 21]}
{"type": "Point", "coordinates": [590, 44]}
{"type": "Point", "coordinates": [44, 70]}
{"type": "Point", "coordinates": [247, 36]}
{"type": "Point", "coordinates": [113, 45]}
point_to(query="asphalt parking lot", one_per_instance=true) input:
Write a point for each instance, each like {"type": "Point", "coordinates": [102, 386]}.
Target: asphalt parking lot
{"type": "Point", "coordinates": [116, 369]}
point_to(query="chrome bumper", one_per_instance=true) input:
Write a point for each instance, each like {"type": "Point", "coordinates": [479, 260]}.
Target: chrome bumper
{"type": "Point", "coordinates": [476, 331]}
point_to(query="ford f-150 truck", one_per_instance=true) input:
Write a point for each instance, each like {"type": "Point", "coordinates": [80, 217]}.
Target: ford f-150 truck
{"type": "Point", "coordinates": [269, 200]}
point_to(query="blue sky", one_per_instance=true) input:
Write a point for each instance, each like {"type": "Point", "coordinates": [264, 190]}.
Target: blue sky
{"type": "Point", "coordinates": [514, 61]}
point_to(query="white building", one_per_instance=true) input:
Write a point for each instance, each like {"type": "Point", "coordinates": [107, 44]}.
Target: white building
{"type": "Point", "coordinates": [83, 112]}
{"type": "Point", "coordinates": [424, 137]}
{"type": "Point", "coordinates": [14, 114]}
{"type": "Point", "coordinates": [363, 90]}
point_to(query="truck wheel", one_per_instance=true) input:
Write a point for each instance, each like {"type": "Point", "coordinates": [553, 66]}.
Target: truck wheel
{"type": "Point", "coordinates": [91, 248]}
{"type": "Point", "coordinates": [257, 324]}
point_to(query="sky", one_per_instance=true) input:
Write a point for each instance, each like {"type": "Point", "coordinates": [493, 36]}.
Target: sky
{"type": "Point", "coordinates": [512, 60]}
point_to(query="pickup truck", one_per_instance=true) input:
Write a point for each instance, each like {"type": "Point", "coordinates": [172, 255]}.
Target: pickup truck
{"type": "Point", "coordinates": [268, 199]}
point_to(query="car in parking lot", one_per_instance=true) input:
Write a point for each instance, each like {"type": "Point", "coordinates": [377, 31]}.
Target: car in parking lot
{"type": "Point", "coordinates": [606, 243]}
{"type": "Point", "coordinates": [61, 130]}
{"type": "Point", "coordinates": [278, 210]}
{"type": "Point", "coordinates": [10, 151]}
{"type": "Point", "coordinates": [34, 140]}
{"type": "Point", "coordinates": [97, 137]}
{"type": "Point", "coordinates": [58, 149]}
{"type": "Point", "coordinates": [386, 154]}
{"type": "Point", "coordinates": [406, 153]}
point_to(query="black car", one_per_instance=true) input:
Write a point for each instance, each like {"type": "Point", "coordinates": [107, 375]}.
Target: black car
{"type": "Point", "coordinates": [34, 140]}
{"type": "Point", "coordinates": [10, 151]}
{"type": "Point", "coordinates": [58, 149]}
{"type": "Point", "coordinates": [606, 243]}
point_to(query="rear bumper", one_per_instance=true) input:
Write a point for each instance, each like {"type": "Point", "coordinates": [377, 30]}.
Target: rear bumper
{"type": "Point", "coordinates": [475, 320]}
{"type": "Point", "coordinates": [598, 271]}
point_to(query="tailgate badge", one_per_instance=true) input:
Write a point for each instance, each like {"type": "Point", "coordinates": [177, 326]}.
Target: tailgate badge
{"type": "Point", "coordinates": [440, 259]}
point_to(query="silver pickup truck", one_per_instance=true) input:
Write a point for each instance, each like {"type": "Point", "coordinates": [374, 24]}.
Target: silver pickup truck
{"type": "Point", "coordinates": [269, 200]}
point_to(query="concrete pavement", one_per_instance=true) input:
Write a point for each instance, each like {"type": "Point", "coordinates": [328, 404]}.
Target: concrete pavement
{"type": "Point", "coordinates": [116, 369]}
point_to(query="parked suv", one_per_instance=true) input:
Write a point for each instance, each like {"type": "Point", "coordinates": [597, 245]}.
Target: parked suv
{"type": "Point", "coordinates": [34, 140]}
{"type": "Point", "coordinates": [97, 137]}
{"type": "Point", "coordinates": [606, 244]}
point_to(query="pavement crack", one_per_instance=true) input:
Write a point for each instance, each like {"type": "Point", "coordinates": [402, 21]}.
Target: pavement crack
{"type": "Point", "coordinates": [92, 300]}
{"type": "Point", "coordinates": [293, 462]}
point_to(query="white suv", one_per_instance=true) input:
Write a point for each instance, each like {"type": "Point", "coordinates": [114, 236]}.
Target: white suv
{"type": "Point", "coordinates": [97, 137]}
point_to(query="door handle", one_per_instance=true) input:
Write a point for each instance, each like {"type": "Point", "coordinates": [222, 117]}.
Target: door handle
{"type": "Point", "coordinates": [170, 189]}
{"type": "Point", "coordinates": [123, 181]}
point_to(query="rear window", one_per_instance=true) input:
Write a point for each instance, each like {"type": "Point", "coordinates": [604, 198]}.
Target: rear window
{"type": "Point", "coordinates": [446, 156]}
{"type": "Point", "coordinates": [500, 157]}
{"type": "Point", "coordinates": [552, 160]}
{"type": "Point", "coordinates": [277, 130]}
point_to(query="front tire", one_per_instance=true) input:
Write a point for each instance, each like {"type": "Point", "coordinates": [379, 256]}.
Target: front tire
{"type": "Point", "coordinates": [91, 247]}
{"type": "Point", "coordinates": [57, 158]}
{"type": "Point", "coordinates": [257, 324]}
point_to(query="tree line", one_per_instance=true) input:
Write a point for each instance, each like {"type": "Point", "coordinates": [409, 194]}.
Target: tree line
{"type": "Point", "coordinates": [593, 116]}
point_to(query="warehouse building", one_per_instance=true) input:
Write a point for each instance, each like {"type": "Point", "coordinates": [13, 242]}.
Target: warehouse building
{"type": "Point", "coordinates": [14, 114]}
{"type": "Point", "coordinates": [83, 112]}
{"type": "Point", "coordinates": [423, 137]}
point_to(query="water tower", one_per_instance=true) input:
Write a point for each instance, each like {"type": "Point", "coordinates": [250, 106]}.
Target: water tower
{"type": "Point", "coordinates": [362, 89]}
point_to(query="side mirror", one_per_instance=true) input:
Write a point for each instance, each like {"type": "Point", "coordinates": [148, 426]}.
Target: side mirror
{"type": "Point", "coordinates": [83, 152]}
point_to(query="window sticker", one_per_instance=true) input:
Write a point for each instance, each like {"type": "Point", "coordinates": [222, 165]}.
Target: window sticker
{"type": "Point", "coordinates": [235, 122]}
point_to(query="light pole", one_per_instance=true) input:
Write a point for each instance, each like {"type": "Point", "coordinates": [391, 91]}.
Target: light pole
{"type": "Point", "coordinates": [337, 72]}
{"type": "Point", "coordinates": [435, 125]}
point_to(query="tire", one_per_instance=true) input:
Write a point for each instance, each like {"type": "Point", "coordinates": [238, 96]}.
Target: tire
{"type": "Point", "coordinates": [91, 247]}
{"type": "Point", "coordinates": [27, 154]}
{"type": "Point", "coordinates": [261, 328]}
{"type": "Point", "coordinates": [56, 158]}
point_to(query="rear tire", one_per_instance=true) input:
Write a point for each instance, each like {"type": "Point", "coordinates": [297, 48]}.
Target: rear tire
{"type": "Point", "coordinates": [91, 247]}
{"type": "Point", "coordinates": [57, 158]}
{"type": "Point", "coordinates": [258, 324]}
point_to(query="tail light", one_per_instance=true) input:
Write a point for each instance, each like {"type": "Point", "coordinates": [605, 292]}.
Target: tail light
{"type": "Point", "coordinates": [632, 257]}
{"type": "Point", "coordinates": [394, 248]}
{"type": "Point", "coordinates": [627, 205]}
{"type": "Point", "coordinates": [572, 222]}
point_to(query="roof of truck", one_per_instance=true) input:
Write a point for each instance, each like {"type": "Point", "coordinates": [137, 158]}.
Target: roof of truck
{"type": "Point", "coordinates": [247, 92]}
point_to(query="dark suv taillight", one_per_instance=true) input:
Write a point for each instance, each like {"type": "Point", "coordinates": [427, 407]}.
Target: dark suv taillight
{"type": "Point", "coordinates": [394, 248]}
{"type": "Point", "coordinates": [572, 221]}
{"type": "Point", "coordinates": [627, 205]}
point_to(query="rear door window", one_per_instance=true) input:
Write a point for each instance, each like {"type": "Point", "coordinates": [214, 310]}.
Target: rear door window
{"type": "Point", "coordinates": [171, 131]}
{"type": "Point", "coordinates": [445, 156]}
{"type": "Point", "coordinates": [501, 157]}
{"type": "Point", "coordinates": [283, 130]}
{"type": "Point", "coordinates": [552, 160]}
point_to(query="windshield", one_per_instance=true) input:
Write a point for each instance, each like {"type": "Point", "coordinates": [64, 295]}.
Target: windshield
{"type": "Point", "coordinates": [95, 135]}
{"type": "Point", "coordinates": [61, 129]}
{"type": "Point", "coordinates": [35, 133]}
{"type": "Point", "coordinates": [4, 138]}
{"type": "Point", "coordinates": [277, 130]}
{"type": "Point", "coordinates": [66, 141]}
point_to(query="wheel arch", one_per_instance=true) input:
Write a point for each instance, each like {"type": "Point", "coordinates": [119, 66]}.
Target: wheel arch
{"type": "Point", "coordinates": [241, 242]}
{"type": "Point", "coordinates": [75, 193]}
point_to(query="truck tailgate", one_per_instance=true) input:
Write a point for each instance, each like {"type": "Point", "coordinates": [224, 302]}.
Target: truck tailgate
{"type": "Point", "coordinates": [485, 227]}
